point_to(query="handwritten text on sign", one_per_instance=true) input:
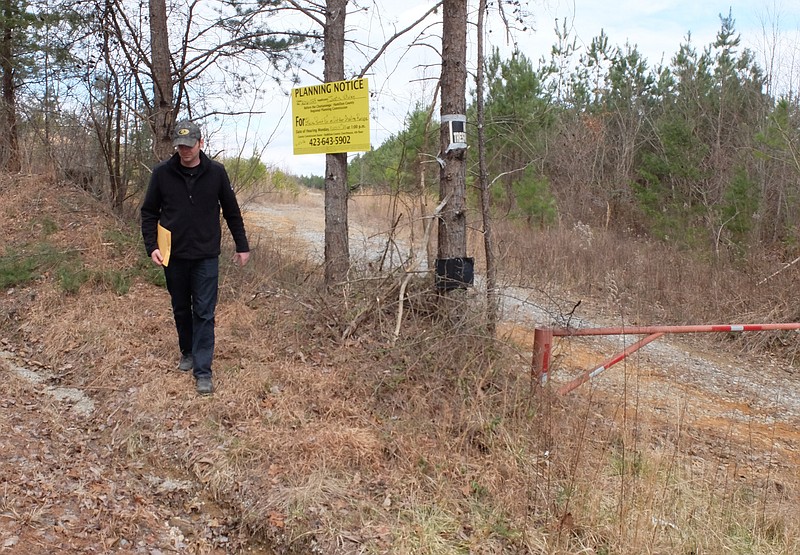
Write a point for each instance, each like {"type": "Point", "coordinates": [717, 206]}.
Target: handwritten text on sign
{"type": "Point", "coordinates": [331, 117]}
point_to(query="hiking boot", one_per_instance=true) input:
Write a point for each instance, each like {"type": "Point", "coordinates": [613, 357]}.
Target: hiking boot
{"type": "Point", "coordinates": [204, 386]}
{"type": "Point", "coordinates": [186, 363]}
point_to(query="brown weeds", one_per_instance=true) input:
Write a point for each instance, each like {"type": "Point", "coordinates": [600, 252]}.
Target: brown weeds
{"type": "Point", "coordinates": [437, 442]}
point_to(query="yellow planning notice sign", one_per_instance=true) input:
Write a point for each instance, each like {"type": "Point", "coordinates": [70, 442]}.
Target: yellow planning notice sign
{"type": "Point", "coordinates": [164, 244]}
{"type": "Point", "coordinates": [331, 117]}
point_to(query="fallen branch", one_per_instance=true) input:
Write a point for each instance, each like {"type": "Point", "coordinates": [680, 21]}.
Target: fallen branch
{"type": "Point", "coordinates": [792, 263]}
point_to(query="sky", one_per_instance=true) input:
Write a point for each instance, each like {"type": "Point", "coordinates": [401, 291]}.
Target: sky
{"type": "Point", "coordinates": [405, 77]}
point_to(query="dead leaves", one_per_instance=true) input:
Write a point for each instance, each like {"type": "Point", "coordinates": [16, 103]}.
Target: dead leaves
{"type": "Point", "coordinates": [276, 519]}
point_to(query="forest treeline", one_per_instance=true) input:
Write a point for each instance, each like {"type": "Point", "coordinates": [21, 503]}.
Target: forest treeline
{"type": "Point", "coordinates": [698, 152]}
{"type": "Point", "coordinates": [701, 151]}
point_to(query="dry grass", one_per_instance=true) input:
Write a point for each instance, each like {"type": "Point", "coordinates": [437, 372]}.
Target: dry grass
{"type": "Point", "coordinates": [643, 281]}
{"type": "Point", "coordinates": [437, 443]}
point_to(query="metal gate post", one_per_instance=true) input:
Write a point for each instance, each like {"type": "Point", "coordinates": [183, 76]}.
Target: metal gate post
{"type": "Point", "coordinates": [542, 344]}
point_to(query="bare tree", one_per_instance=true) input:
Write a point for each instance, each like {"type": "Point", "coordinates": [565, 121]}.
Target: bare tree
{"type": "Point", "coordinates": [108, 122]}
{"type": "Point", "coordinates": [332, 21]}
{"type": "Point", "coordinates": [9, 20]}
{"type": "Point", "coordinates": [171, 79]}
{"type": "Point", "coordinates": [492, 301]}
{"type": "Point", "coordinates": [162, 112]}
{"type": "Point", "coordinates": [452, 178]}
{"type": "Point", "coordinates": [337, 244]}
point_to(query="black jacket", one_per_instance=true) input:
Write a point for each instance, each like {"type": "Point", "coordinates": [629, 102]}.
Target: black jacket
{"type": "Point", "coordinates": [189, 206]}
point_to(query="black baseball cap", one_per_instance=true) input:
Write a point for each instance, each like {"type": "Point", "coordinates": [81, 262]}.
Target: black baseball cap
{"type": "Point", "coordinates": [186, 133]}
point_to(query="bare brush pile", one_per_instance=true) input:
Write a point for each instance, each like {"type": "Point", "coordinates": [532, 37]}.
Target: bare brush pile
{"type": "Point", "coordinates": [329, 437]}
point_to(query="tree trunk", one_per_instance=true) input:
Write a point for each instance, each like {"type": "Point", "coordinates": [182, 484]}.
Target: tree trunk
{"type": "Point", "coordinates": [10, 138]}
{"type": "Point", "coordinates": [162, 118]}
{"type": "Point", "coordinates": [452, 177]}
{"type": "Point", "coordinates": [337, 247]}
{"type": "Point", "coordinates": [492, 301]}
{"type": "Point", "coordinates": [108, 126]}
{"type": "Point", "coordinates": [119, 185]}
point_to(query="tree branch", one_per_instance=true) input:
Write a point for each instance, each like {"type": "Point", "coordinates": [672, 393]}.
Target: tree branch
{"type": "Point", "coordinates": [395, 37]}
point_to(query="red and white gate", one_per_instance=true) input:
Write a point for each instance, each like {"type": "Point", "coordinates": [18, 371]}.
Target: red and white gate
{"type": "Point", "coordinates": [543, 344]}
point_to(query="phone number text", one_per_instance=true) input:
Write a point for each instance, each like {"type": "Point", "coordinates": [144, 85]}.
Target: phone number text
{"type": "Point", "coordinates": [329, 141]}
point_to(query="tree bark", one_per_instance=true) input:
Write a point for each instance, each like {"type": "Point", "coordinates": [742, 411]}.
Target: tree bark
{"type": "Point", "coordinates": [452, 177]}
{"type": "Point", "coordinates": [337, 245]}
{"type": "Point", "coordinates": [10, 139]}
{"type": "Point", "coordinates": [162, 117]}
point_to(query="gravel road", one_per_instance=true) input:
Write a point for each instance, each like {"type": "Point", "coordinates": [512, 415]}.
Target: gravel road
{"type": "Point", "coordinates": [682, 376]}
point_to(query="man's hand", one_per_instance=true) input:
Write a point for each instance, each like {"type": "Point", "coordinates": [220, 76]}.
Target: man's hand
{"type": "Point", "coordinates": [240, 258]}
{"type": "Point", "coordinates": [157, 258]}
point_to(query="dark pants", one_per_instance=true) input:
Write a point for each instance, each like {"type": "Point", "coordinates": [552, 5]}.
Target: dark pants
{"type": "Point", "coordinates": [192, 285]}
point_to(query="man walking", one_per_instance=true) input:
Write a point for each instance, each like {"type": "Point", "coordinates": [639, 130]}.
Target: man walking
{"type": "Point", "coordinates": [185, 196]}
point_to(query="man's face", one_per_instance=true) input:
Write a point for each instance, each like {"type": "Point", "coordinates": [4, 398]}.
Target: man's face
{"type": "Point", "coordinates": [190, 155]}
